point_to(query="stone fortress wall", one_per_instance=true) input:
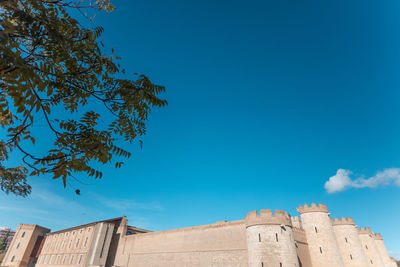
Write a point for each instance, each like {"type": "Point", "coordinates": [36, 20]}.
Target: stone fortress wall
{"type": "Point", "coordinates": [261, 239]}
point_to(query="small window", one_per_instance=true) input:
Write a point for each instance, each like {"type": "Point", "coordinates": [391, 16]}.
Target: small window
{"type": "Point", "coordinates": [23, 234]}
{"type": "Point", "coordinates": [18, 245]}
{"type": "Point", "coordinates": [51, 259]}
{"type": "Point", "coordinates": [70, 242]}
{"type": "Point", "coordinates": [262, 264]}
{"type": "Point", "coordinates": [77, 243]}
{"type": "Point", "coordinates": [88, 230]}
{"type": "Point", "coordinates": [73, 233]}
{"type": "Point", "coordinates": [72, 259]}
{"type": "Point", "coordinates": [345, 239]}
{"type": "Point", "coordinates": [371, 262]}
{"type": "Point", "coordinates": [366, 246]}
{"type": "Point", "coordinates": [320, 249]}
{"type": "Point", "coordinates": [80, 259]}
{"type": "Point", "coordinates": [66, 234]}
{"type": "Point", "coordinates": [12, 259]}
{"type": "Point", "coordinates": [280, 264]}
{"type": "Point", "coordinates": [316, 230]}
{"type": "Point", "coordinates": [58, 259]}
{"type": "Point", "coordinates": [65, 257]}
{"type": "Point", "coordinates": [259, 238]}
{"type": "Point", "coordinates": [351, 256]}
{"type": "Point", "coordinates": [45, 259]}
{"type": "Point", "coordinates": [276, 237]}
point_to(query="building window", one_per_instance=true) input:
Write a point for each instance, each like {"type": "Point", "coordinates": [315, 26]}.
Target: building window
{"type": "Point", "coordinates": [80, 231]}
{"type": "Point", "coordinates": [316, 230]}
{"type": "Point", "coordinates": [70, 242]}
{"type": "Point", "coordinates": [23, 234]}
{"type": "Point", "coordinates": [45, 259]}
{"type": "Point", "coordinates": [18, 245]}
{"type": "Point", "coordinates": [80, 259]}
{"type": "Point", "coordinates": [276, 237]}
{"type": "Point", "coordinates": [371, 262]}
{"type": "Point", "coordinates": [58, 259]}
{"type": "Point", "coordinates": [262, 264]}
{"type": "Point", "coordinates": [84, 245]}
{"type": "Point", "coordinates": [63, 244]}
{"type": "Point", "coordinates": [320, 249]}
{"type": "Point", "coordinates": [280, 264]}
{"type": "Point", "coordinates": [88, 230]}
{"type": "Point", "coordinates": [366, 246]}
{"type": "Point", "coordinates": [351, 256]}
{"type": "Point", "coordinates": [65, 257]}
{"type": "Point", "coordinates": [12, 259]}
{"type": "Point", "coordinates": [77, 243]}
{"type": "Point", "coordinates": [345, 239]}
{"type": "Point", "coordinates": [73, 233]}
{"type": "Point", "coordinates": [259, 237]}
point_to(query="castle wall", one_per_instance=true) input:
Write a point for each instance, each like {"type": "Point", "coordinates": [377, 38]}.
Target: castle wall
{"type": "Point", "coordinates": [270, 240]}
{"type": "Point", "coordinates": [220, 244]}
{"type": "Point", "coordinates": [353, 254]}
{"type": "Point", "coordinates": [370, 247]}
{"type": "Point", "coordinates": [302, 250]}
{"type": "Point", "coordinates": [382, 250]}
{"type": "Point", "coordinates": [323, 247]}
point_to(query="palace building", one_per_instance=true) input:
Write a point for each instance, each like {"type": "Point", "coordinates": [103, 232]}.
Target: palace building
{"type": "Point", "coordinates": [261, 239]}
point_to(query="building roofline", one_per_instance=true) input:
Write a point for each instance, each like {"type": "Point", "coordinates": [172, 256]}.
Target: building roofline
{"type": "Point", "coordinates": [86, 225]}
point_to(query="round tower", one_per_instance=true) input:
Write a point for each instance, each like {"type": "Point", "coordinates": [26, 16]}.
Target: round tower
{"type": "Point", "coordinates": [353, 254]}
{"type": "Point", "coordinates": [270, 241]}
{"type": "Point", "coordinates": [382, 250]}
{"type": "Point", "coordinates": [370, 248]}
{"type": "Point", "coordinates": [324, 250]}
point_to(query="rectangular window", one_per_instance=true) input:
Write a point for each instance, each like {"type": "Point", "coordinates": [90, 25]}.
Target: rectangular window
{"type": "Point", "coordinates": [70, 242]}
{"type": "Point", "coordinates": [345, 239]}
{"type": "Point", "coordinates": [80, 259]}
{"type": "Point", "coordinates": [276, 236]}
{"type": "Point", "coordinates": [84, 245]}
{"type": "Point", "coordinates": [366, 246]}
{"type": "Point", "coordinates": [58, 259]}
{"type": "Point", "coordinates": [77, 243]}
{"type": "Point", "coordinates": [351, 256]}
{"type": "Point", "coordinates": [371, 262]}
{"type": "Point", "coordinates": [262, 264]}
{"type": "Point", "coordinates": [259, 237]}
{"type": "Point", "coordinates": [45, 259]}
{"type": "Point", "coordinates": [320, 250]}
{"type": "Point", "coordinates": [65, 257]}
{"type": "Point", "coordinates": [51, 259]}
{"type": "Point", "coordinates": [18, 245]}
{"type": "Point", "coordinates": [316, 230]}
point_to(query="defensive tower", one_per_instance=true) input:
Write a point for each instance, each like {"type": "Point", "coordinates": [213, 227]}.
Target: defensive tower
{"type": "Point", "coordinates": [324, 250]}
{"type": "Point", "coordinates": [270, 240]}
{"type": "Point", "coordinates": [353, 254]}
{"type": "Point", "coordinates": [382, 250]}
{"type": "Point", "coordinates": [370, 248]}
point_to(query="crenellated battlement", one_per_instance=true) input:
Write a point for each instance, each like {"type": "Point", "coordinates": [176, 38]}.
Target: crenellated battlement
{"type": "Point", "coordinates": [378, 236]}
{"type": "Point", "coordinates": [365, 230]}
{"type": "Point", "coordinates": [343, 221]}
{"type": "Point", "coordinates": [313, 208]}
{"type": "Point", "coordinates": [268, 218]}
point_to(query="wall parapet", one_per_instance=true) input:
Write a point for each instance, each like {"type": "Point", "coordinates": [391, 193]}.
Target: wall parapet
{"type": "Point", "coordinates": [365, 230]}
{"type": "Point", "coordinates": [267, 218]}
{"type": "Point", "coordinates": [378, 236]}
{"type": "Point", "coordinates": [343, 221]}
{"type": "Point", "coordinates": [313, 208]}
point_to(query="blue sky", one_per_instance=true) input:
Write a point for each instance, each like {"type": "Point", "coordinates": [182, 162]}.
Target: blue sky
{"type": "Point", "coordinates": [267, 101]}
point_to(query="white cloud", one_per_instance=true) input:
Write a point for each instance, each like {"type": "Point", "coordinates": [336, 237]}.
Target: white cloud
{"type": "Point", "coordinates": [342, 181]}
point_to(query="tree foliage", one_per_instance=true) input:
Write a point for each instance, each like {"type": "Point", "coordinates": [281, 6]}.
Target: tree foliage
{"type": "Point", "coordinates": [50, 62]}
